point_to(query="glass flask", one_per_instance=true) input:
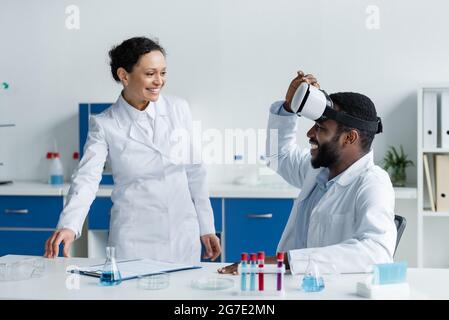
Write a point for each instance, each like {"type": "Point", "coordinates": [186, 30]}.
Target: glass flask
{"type": "Point", "coordinates": [312, 281]}
{"type": "Point", "coordinates": [110, 275]}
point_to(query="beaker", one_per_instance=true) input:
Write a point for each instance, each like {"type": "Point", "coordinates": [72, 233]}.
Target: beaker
{"type": "Point", "coordinates": [312, 281]}
{"type": "Point", "coordinates": [110, 275]}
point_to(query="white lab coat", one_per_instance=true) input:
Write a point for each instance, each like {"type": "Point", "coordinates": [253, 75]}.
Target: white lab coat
{"type": "Point", "coordinates": [160, 198]}
{"type": "Point", "coordinates": [352, 226]}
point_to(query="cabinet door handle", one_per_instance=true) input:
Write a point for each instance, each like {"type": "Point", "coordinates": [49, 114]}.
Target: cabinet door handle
{"type": "Point", "coordinates": [17, 211]}
{"type": "Point", "coordinates": [260, 216]}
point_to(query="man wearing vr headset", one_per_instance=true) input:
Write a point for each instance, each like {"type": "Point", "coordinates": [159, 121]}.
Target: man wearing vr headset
{"type": "Point", "coordinates": [344, 216]}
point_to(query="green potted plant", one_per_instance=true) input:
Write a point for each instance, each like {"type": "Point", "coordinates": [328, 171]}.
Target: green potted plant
{"type": "Point", "coordinates": [396, 163]}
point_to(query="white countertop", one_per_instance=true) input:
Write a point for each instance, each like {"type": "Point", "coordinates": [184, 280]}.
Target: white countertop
{"type": "Point", "coordinates": [278, 190]}
{"type": "Point", "coordinates": [30, 188]}
{"type": "Point", "coordinates": [58, 284]}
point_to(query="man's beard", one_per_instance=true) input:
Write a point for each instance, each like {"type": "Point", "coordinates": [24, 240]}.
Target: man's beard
{"type": "Point", "coordinates": [327, 155]}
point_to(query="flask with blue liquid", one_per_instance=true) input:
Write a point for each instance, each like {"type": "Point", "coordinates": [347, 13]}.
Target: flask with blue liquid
{"type": "Point", "coordinates": [312, 281]}
{"type": "Point", "coordinates": [110, 275]}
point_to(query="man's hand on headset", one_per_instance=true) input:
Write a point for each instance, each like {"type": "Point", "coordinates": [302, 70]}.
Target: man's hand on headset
{"type": "Point", "coordinates": [300, 78]}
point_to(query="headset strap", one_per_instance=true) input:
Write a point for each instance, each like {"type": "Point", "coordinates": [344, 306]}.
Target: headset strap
{"type": "Point", "coordinates": [350, 121]}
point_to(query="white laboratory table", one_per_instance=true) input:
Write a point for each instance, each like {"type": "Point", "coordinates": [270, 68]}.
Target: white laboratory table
{"type": "Point", "coordinates": [61, 285]}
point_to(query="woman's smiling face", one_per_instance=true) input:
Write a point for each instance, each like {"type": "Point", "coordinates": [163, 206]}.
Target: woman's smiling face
{"type": "Point", "coordinates": [146, 78]}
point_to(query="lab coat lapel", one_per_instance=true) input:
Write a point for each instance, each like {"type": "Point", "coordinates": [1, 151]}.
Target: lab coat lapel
{"type": "Point", "coordinates": [137, 134]}
{"type": "Point", "coordinates": [125, 122]}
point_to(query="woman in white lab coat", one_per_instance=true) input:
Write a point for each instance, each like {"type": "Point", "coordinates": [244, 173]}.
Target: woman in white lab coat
{"type": "Point", "coordinates": [161, 207]}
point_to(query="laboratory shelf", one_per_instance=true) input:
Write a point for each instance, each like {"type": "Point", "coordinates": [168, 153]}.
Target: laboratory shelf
{"type": "Point", "coordinates": [436, 150]}
{"type": "Point", "coordinates": [405, 193]}
{"type": "Point", "coordinates": [436, 214]}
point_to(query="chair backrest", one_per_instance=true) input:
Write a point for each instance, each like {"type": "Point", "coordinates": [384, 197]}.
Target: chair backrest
{"type": "Point", "coordinates": [400, 222]}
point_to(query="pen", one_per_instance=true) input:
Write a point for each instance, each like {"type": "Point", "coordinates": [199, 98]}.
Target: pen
{"type": "Point", "coordinates": [252, 276]}
{"type": "Point", "coordinates": [244, 259]}
{"type": "Point", "coordinates": [261, 261]}
{"type": "Point", "coordinates": [280, 262]}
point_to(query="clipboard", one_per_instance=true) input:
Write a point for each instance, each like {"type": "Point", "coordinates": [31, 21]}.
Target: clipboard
{"type": "Point", "coordinates": [132, 269]}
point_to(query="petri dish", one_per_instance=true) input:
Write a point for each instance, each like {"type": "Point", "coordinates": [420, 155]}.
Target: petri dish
{"type": "Point", "coordinates": [212, 283]}
{"type": "Point", "coordinates": [23, 269]}
{"type": "Point", "coordinates": [156, 281]}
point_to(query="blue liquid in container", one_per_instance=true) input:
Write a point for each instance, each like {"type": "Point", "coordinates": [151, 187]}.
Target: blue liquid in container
{"type": "Point", "coordinates": [312, 284]}
{"type": "Point", "coordinates": [56, 179]}
{"type": "Point", "coordinates": [109, 279]}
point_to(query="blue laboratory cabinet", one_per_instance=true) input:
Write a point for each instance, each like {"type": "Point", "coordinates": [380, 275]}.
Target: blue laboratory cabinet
{"type": "Point", "coordinates": [26, 222]}
{"type": "Point", "coordinates": [100, 213]}
{"type": "Point", "coordinates": [85, 111]}
{"type": "Point", "coordinates": [253, 225]}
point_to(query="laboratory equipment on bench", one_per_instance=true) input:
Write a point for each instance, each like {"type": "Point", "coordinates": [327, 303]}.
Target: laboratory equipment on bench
{"type": "Point", "coordinates": [261, 263]}
{"type": "Point", "coordinates": [271, 276]}
{"type": "Point", "coordinates": [388, 281]}
{"type": "Point", "coordinates": [55, 170]}
{"type": "Point", "coordinates": [252, 275]}
{"type": "Point", "coordinates": [22, 268]}
{"type": "Point", "coordinates": [312, 280]}
{"type": "Point", "coordinates": [212, 283]}
{"type": "Point", "coordinates": [243, 262]}
{"type": "Point", "coordinates": [155, 281]}
{"type": "Point", "coordinates": [110, 274]}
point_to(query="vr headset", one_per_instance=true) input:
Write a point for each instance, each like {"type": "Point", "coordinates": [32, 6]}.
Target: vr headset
{"type": "Point", "coordinates": [315, 104]}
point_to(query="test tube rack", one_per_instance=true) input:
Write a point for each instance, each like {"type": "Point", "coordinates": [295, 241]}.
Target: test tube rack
{"type": "Point", "coordinates": [252, 289]}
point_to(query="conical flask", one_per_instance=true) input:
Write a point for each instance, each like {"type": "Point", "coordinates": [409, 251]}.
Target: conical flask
{"type": "Point", "coordinates": [110, 275]}
{"type": "Point", "coordinates": [312, 281]}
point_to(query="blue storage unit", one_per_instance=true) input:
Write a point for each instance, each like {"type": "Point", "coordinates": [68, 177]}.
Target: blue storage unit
{"type": "Point", "coordinates": [217, 209]}
{"type": "Point", "coordinates": [254, 225]}
{"type": "Point", "coordinates": [85, 110]}
{"type": "Point", "coordinates": [30, 211]}
{"type": "Point", "coordinates": [100, 213]}
{"type": "Point", "coordinates": [24, 242]}
{"type": "Point", "coordinates": [26, 222]}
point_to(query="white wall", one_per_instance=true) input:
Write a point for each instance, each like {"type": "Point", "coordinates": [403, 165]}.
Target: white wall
{"type": "Point", "coordinates": [229, 58]}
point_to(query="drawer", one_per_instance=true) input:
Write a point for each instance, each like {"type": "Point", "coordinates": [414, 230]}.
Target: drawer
{"type": "Point", "coordinates": [24, 242]}
{"type": "Point", "coordinates": [30, 211]}
{"type": "Point", "coordinates": [100, 214]}
{"type": "Point", "coordinates": [216, 207]}
{"type": "Point", "coordinates": [254, 225]}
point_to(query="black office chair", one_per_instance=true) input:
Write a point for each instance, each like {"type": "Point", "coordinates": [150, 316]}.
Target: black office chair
{"type": "Point", "coordinates": [400, 223]}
